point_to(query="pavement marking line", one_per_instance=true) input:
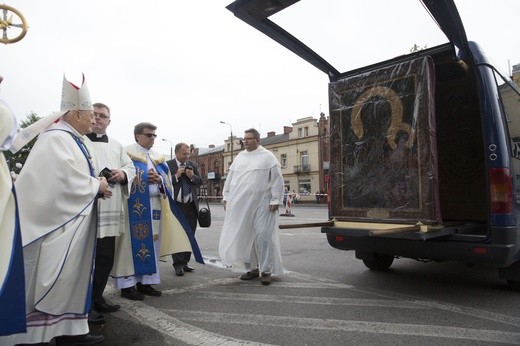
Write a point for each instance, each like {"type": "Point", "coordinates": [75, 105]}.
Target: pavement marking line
{"type": "Point", "coordinates": [175, 328]}
{"type": "Point", "coordinates": [421, 330]}
{"type": "Point", "coordinates": [206, 284]}
{"type": "Point", "coordinates": [464, 310]}
{"type": "Point", "coordinates": [311, 300]}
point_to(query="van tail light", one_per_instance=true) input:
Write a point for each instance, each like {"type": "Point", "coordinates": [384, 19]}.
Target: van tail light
{"type": "Point", "coordinates": [478, 250]}
{"type": "Point", "coordinates": [500, 190]}
{"type": "Point", "coordinates": [327, 184]}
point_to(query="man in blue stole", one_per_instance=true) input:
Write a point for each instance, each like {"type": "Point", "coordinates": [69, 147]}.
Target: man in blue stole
{"type": "Point", "coordinates": [154, 226]}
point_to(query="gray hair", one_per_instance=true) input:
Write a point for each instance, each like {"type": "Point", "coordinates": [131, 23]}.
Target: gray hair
{"type": "Point", "coordinates": [255, 133]}
{"type": "Point", "coordinates": [138, 129]}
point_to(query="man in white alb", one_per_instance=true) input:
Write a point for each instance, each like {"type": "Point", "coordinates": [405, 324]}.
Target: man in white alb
{"type": "Point", "coordinates": [252, 192]}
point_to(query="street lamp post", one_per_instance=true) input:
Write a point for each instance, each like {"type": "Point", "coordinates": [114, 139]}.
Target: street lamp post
{"type": "Point", "coordinates": [171, 147]}
{"type": "Point", "coordinates": [231, 138]}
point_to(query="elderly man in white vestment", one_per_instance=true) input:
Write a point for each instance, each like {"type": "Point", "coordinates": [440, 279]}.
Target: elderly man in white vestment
{"type": "Point", "coordinates": [108, 154]}
{"type": "Point", "coordinates": [57, 190]}
{"type": "Point", "coordinates": [252, 192]}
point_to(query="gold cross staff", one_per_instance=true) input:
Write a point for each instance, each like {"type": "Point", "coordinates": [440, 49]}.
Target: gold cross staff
{"type": "Point", "coordinates": [6, 22]}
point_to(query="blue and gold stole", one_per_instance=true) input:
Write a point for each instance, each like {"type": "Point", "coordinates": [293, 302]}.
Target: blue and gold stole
{"type": "Point", "coordinates": [140, 219]}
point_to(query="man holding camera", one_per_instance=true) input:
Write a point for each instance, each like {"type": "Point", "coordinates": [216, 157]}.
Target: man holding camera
{"type": "Point", "coordinates": [185, 180]}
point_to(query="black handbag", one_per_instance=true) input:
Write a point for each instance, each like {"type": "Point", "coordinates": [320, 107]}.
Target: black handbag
{"type": "Point", "coordinates": [204, 216]}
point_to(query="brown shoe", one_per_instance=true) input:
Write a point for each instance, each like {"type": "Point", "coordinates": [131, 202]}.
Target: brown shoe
{"type": "Point", "coordinates": [250, 275]}
{"type": "Point", "coordinates": [266, 278]}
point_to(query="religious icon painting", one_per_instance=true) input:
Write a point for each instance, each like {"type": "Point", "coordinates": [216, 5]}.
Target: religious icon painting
{"type": "Point", "coordinates": [383, 129]}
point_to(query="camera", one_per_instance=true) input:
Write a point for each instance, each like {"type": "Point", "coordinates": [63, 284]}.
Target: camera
{"type": "Point", "coordinates": [189, 165]}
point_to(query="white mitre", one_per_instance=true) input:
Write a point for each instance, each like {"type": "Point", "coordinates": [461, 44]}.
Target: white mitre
{"type": "Point", "coordinates": [72, 98]}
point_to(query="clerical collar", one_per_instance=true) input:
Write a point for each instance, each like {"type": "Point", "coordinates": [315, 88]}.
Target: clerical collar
{"type": "Point", "coordinates": [141, 148]}
{"type": "Point", "coordinates": [94, 137]}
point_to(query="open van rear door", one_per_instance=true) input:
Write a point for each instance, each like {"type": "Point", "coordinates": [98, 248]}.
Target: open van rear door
{"type": "Point", "coordinates": [257, 12]}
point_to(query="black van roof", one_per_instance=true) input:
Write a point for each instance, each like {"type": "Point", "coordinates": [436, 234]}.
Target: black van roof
{"type": "Point", "coordinates": [257, 12]}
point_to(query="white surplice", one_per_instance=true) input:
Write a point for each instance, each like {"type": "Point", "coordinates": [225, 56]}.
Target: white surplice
{"type": "Point", "coordinates": [112, 155]}
{"type": "Point", "coordinates": [250, 233]}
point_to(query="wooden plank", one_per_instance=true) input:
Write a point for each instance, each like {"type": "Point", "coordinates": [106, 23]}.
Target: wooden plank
{"type": "Point", "coordinates": [306, 225]}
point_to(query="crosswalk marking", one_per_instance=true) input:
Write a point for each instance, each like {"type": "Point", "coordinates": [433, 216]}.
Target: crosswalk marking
{"type": "Point", "coordinates": [161, 319]}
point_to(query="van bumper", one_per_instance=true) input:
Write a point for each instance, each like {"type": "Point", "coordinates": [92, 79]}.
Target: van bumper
{"type": "Point", "coordinates": [464, 248]}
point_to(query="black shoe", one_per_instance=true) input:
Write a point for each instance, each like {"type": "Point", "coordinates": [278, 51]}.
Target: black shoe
{"type": "Point", "coordinates": [148, 290]}
{"type": "Point", "coordinates": [95, 317]}
{"type": "Point", "coordinates": [188, 269]}
{"type": "Point", "coordinates": [131, 293]}
{"type": "Point", "coordinates": [107, 308]}
{"type": "Point", "coordinates": [179, 271]}
{"type": "Point", "coordinates": [79, 340]}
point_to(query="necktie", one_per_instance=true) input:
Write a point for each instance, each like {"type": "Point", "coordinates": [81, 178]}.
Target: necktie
{"type": "Point", "coordinates": [186, 187]}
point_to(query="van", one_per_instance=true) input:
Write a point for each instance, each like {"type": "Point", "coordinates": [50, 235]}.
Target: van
{"type": "Point", "coordinates": [425, 150]}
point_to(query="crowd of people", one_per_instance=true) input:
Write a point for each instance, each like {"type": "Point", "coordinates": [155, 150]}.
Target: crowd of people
{"type": "Point", "coordinates": [107, 210]}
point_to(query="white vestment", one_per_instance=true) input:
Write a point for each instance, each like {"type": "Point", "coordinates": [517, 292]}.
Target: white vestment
{"type": "Point", "coordinates": [56, 194]}
{"type": "Point", "coordinates": [7, 201]}
{"type": "Point", "coordinates": [112, 155]}
{"type": "Point", "coordinates": [12, 297]}
{"type": "Point", "coordinates": [254, 182]}
{"type": "Point", "coordinates": [7, 205]}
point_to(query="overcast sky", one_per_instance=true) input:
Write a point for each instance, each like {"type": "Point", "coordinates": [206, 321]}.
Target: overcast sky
{"type": "Point", "coordinates": [187, 65]}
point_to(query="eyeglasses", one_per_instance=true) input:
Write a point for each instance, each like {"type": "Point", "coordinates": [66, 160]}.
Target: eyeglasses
{"type": "Point", "coordinates": [149, 135]}
{"type": "Point", "coordinates": [101, 115]}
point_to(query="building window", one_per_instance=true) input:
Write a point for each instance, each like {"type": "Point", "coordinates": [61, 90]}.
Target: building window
{"type": "Point", "coordinates": [300, 132]}
{"type": "Point", "coordinates": [283, 159]}
{"type": "Point", "coordinates": [304, 159]}
{"type": "Point", "coordinates": [304, 186]}
{"type": "Point", "coordinates": [306, 131]}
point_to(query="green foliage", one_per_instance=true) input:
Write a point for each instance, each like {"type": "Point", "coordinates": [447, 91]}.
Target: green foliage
{"type": "Point", "coordinates": [21, 156]}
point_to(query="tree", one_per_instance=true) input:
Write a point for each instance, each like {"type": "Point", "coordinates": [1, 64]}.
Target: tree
{"type": "Point", "coordinates": [21, 155]}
